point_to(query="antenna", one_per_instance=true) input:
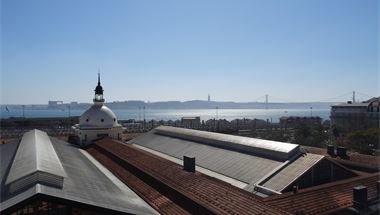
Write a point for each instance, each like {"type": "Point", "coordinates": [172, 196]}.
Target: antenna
{"type": "Point", "coordinates": [353, 96]}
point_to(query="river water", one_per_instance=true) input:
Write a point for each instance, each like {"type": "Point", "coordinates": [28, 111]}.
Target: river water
{"type": "Point", "coordinates": [174, 114]}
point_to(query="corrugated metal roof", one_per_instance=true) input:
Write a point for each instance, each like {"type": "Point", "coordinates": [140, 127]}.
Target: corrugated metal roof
{"type": "Point", "coordinates": [291, 172]}
{"type": "Point", "coordinates": [237, 165]}
{"type": "Point", "coordinates": [208, 172]}
{"type": "Point", "coordinates": [267, 148]}
{"type": "Point", "coordinates": [35, 162]}
{"type": "Point", "coordinates": [85, 182]}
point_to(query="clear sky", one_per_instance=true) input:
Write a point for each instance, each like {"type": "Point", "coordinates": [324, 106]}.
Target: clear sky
{"type": "Point", "coordinates": [235, 50]}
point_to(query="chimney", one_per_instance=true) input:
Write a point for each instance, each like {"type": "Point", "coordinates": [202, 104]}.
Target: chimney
{"type": "Point", "coordinates": [189, 163]}
{"type": "Point", "coordinates": [359, 197]}
{"type": "Point", "coordinates": [331, 150]}
{"type": "Point", "coordinates": [341, 152]}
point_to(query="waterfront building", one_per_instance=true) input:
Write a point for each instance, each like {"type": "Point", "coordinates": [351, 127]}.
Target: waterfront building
{"type": "Point", "coordinates": [98, 121]}
{"type": "Point", "coordinates": [351, 116]}
{"type": "Point", "coordinates": [54, 104]}
{"type": "Point", "coordinates": [191, 122]}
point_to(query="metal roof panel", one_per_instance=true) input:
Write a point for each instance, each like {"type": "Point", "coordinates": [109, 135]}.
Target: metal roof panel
{"type": "Point", "coordinates": [86, 181]}
{"type": "Point", "coordinates": [237, 165]}
{"type": "Point", "coordinates": [292, 171]}
{"type": "Point", "coordinates": [35, 162]}
{"type": "Point", "coordinates": [272, 149]}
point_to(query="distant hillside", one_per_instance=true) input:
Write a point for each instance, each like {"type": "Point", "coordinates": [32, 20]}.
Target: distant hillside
{"type": "Point", "coordinates": [194, 104]}
{"type": "Point", "coordinates": [199, 104]}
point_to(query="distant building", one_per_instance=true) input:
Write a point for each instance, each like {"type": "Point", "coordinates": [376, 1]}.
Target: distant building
{"type": "Point", "coordinates": [348, 117]}
{"type": "Point", "coordinates": [54, 104]}
{"type": "Point", "coordinates": [191, 122]}
{"type": "Point", "coordinates": [98, 121]}
{"type": "Point", "coordinates": [294, 121]}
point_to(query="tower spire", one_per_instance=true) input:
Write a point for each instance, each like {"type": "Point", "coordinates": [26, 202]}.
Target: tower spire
{"type": "Point", "coordinates": [99, 92]}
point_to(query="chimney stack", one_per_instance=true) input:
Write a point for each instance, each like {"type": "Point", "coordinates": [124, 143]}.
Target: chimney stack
{"type": "Point", "coordinates": [331, 150]}
{"type": "Point", "coordinates": [295, 189]}
{"type": "Point", "coordinates": [360, 197]}
{"type": "Point", "coordinates": [189, 163]}
{"type": "Point", "coordinates": [341, 152]}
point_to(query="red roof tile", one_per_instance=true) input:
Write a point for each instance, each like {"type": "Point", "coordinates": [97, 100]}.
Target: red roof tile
{"type": "Point", "coordinates": [171, 190]}
{"type": "Point", "coordinates": [361, 159]}
{"type": "Point", "coordinates": [324, 198]}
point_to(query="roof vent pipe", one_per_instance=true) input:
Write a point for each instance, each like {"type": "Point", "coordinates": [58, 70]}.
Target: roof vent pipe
{"type": "Point", "coordinates": [360, 197]}
{"type": "Point", "coordinates": [189, 163]}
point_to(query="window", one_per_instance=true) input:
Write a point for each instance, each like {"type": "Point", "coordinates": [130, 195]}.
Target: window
{"type": "Point", "coordinates": [102, 120]}
{"type": "Point", "coordinates": [87, 120]}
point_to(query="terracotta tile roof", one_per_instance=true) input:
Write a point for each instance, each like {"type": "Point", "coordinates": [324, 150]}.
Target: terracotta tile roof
{"type": "Point", "coordinates": [353, 158]}
{"type": "Point", "coordinates": [171, 190]}
{"type": "Point", "coordinates": [325, 198]}
{"type": "Point", "coordinates": [364, 159]}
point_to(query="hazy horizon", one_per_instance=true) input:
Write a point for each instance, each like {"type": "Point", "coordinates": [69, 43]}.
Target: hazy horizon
{"type": "Point", "coordinates": [170, 50]}
{"type": "Point", "coordinates": [183, 101]}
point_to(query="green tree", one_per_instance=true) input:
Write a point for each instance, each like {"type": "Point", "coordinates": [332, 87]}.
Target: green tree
{"type": "Point", "coordinates": [364, 141]}
{"type": "Point", "coordinates": [310, 135]}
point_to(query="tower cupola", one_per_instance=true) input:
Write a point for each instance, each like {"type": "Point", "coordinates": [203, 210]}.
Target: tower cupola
{"type": "Point", "coordinates": [99, 92]}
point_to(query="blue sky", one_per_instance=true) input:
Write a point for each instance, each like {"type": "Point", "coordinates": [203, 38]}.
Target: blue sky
{"type": "Point", "coordinates": [182, 50]}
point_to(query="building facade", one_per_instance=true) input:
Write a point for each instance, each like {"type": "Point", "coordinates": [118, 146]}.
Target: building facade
{"type": "Point", "coordinates": [348, 117]}
{"type": "Point", "coordinates": [191, 122]}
